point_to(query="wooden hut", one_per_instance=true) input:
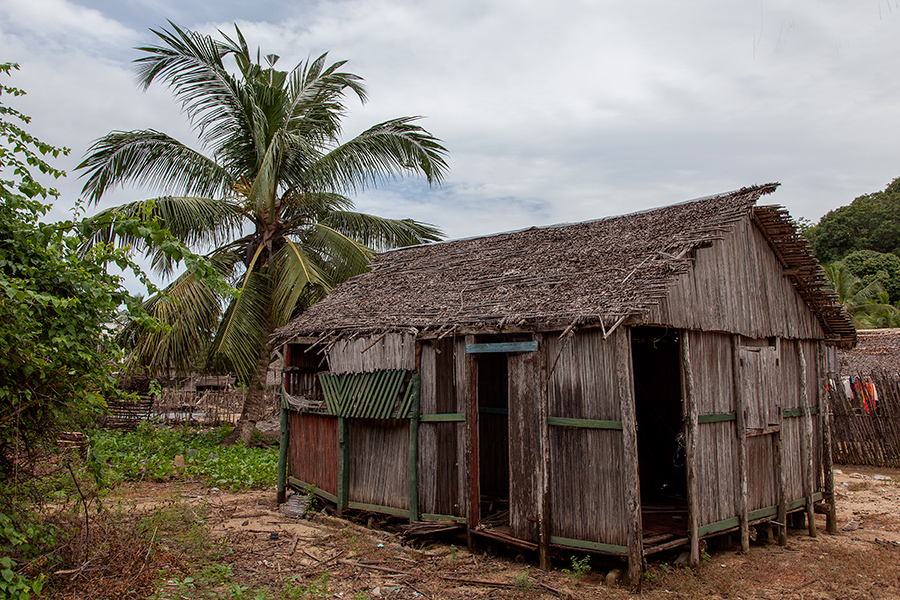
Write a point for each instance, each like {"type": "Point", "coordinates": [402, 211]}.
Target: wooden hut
{"type": "Point", "coordinates": [621, 386]}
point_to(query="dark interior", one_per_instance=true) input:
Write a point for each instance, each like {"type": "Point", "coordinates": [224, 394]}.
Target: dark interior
{"type": "Point", "coordinates": [657, 389]}
{"type": "Point", "coordinates": [493, 427]}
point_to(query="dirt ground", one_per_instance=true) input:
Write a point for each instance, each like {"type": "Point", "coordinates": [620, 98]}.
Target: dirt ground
{"type": "Point", "coordinates": [861, 561]}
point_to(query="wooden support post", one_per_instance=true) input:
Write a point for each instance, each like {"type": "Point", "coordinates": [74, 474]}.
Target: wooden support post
{"type": "Point", "coordinates": [473, 513]}
{"type": "Point", "coordinates": [692, 418]}
{"type": "Point", "coordinates": [740, 407]}
{"type": "Point", "coordinates": [630, 466]}
{"type": "Point", "coordinates": [414, 462]}
{"type": "Point", "coordinates": [809, 482]}
{"type": "Point", "coordinates": [544, 411]}
{"type": "Point", "coordinates": [343, 491]}
{"type": "Point", "coordinates": [781, 487]}
{"type": "Point", "coordinates": [282, 455]}
{"type": "Point", "coordinates": [827, 458]}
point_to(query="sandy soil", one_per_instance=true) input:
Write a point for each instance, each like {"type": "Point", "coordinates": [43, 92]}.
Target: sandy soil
{"type": "Point", "coordinates": [861, 561]}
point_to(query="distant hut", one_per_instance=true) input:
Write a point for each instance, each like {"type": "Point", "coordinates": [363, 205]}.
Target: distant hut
{"type": "Point", "coordinates": [878, 351]}
{"type": "Point", "coordinates": [621, 386]}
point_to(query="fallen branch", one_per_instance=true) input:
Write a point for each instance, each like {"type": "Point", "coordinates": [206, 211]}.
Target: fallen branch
{"type": "Point", "coordinates": [376, 567]}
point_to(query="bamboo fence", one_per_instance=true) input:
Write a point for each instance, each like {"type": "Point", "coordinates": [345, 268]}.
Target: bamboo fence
{"type": "Point", "coordinates": [866, 432]}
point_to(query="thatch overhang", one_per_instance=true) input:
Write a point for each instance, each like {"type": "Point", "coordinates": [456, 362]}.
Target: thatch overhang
{"type": "Point", "coordinates": [596, 273]}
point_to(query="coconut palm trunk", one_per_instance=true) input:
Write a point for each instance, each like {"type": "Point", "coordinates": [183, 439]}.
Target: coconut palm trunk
{"type": "Point", "coordinates": [275, 163]}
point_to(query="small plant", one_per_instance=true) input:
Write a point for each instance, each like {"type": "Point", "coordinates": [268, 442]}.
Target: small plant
{"type": "Point", "coordinates": [15, 586]}
{"type": "Point", "coordinates": [454, 554]}
{"type": "Point", "coordinates": [580, 567]}
{"type": "Point", "coordinates": [522, 582]}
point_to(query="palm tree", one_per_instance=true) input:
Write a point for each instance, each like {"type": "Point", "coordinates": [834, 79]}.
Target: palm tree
{"type": "Point", "coordinates": [267, 204]}
{"type": "Point", "coordinates": [867, 304]}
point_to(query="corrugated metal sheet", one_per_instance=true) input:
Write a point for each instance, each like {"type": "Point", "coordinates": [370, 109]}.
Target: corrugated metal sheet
{"type": "Point", "coordinates": [379, 395]}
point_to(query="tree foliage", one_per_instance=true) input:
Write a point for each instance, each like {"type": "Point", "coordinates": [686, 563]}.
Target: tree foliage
{"type": "Point", "coordinates": [59, 306]}
{"type": "Point", "coordinates": [267, 198]}
{"type": "Point", "coordinates": [871, 267]}
{"type": "Point", "coordinates": [867, 303]}
{"type": "Point", "coordinates": [870, 222]}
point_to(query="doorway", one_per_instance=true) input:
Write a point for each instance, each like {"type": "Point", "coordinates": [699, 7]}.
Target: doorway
{"type": "Point", "coordinates": [660, 437]}
{"type": "Point", "coordinates": [493, 436]}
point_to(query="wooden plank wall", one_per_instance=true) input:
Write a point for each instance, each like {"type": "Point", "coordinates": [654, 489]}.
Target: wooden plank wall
{"type": "Point", "coordinates": [314, 449]}
{"type": "Point", "coordinates": [586, 472]}
{"type": "Point", "coordinates": [373, 353]}
{"type": "Point", "coordinates": [738, 285]}
{"type": "Point", "coordinates": [379, 451]}
{"type": "Point", "coordinates": [717, 442]}
{"type": "Point", "coordinates": [441, 444]}
{"type": "Point", "coordinates": [524, 444]}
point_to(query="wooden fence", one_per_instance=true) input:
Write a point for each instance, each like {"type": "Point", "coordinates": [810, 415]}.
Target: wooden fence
{"type": "Point", "coordinates": [865, 429]}
{"type": "Point", "coordinates": [174, 407]}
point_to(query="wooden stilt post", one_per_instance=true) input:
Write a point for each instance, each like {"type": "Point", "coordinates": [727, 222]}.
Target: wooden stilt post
{"type": "Point", "coordinates": [827, 457]}
{"type": "Point", "coordinates": [282, 456]}
{"type": "Point", "coordinates": [544, 411]}
{"type": "Point", "coordinates": [781, 487]}
{"type": "Point", "coordinates": [343, 490]}
{"type": "Point", "coordinates": [625, 389]}
{"type": "Point", "coordinates": [692, 418]}
{"type": "Point", "coordinates": [740, 406]}
{"type": "Point", "coordinates": [473, 514]}
{"type": "Point", "coordinates": [809, 482]}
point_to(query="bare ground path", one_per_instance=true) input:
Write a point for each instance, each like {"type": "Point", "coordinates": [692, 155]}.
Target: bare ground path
{"type": "Point", "coordinates": [269, 548]}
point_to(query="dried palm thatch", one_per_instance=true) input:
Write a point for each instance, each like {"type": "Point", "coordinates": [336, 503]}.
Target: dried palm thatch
{"type": "Point", "coordinates": [550, 278]}
{"type": "Point", "coordinates": [878, 351]}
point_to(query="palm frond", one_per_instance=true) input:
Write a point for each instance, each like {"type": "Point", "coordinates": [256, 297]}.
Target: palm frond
{"type": "Point", "coordinates": [297, 278]}
{"type": "Point", "coordinates": [341, 256]}
{"type": "Point", "coordinates": [379, 233]}
{"type": "Point", "coordinates": [191, 64]}
{"type": "Point", "coordinates": [191, 220]}
{"type": "Point", "coordinates": [150, 158]}
{"type": "Point", "coordinates": [247, 321]}
{"type": "Point", "coordinates": [381, 153]}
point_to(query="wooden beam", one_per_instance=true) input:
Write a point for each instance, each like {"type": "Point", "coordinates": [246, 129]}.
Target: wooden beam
{"type": "Point", "coordinates": [630, 465]}
{"type": "Point", "coordinates": [691, 422]}
{"type": "Point", "coordinates": [283, 455]}
{"type": "Point", "coordinates": [473, 510]}
{"type": "Point", "coordinates": [413, 464]}
{"type": "Point", "coordinates": [781, 487]}
{"type": "Point", "coordinates": [544, 492]}
{"type": "Point", "coordinates": [740, 405]}
{"type": "Point", "coordinates": [501, 347]}
{"type": "Point", "coordinates": [809, 482]}
{"type": "Point", "coordinates": [827, 457]}
{"type": "Point", "coordinates": [584, 423]}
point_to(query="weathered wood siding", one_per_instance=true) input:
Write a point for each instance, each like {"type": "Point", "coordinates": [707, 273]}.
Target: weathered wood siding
{"type": "Point", "coordinates": [586, 473]}
{"type": "Point", "coordinates": [717, 441]}
{"type": "Point", "coordinates": [374, 353]}
{"type": "Point", "coordinates": [314, 449]}
{"type": "Point", "coordinates": [737, 285]}
{"type": "Point", "coordinates": [524, 444]}
{"type": "Point", "coordinates": [441, 444]}
{"type": "Point", "coordinates": [379, 452]}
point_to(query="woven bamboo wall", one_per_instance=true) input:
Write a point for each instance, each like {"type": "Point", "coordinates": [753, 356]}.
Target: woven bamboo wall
{"type": "Point", "coordinates": [314, 449]}
{"type": "Point", "coordinates": [441, 445]}
{"type": "Point", "coordinates": [586, 474]}
{"type": "Point", "coordinates": [738, 285]}
{"type": "Point", "coordinates": [379, 451]}
{"type": "Point", "coordinates": [367, 354]}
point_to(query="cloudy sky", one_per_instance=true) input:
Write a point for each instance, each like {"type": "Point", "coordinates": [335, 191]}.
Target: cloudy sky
{"type": "Point", "coordinates": [552, 111]}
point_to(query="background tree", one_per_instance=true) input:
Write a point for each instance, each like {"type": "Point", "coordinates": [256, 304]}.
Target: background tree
{"type": "Point", "coordinates": [871, 266]}
{"type": "Point", "coordinates": [870, 222]}
{"type": "Point", "coordinates": [268, 202]}
{"type": "Point", "coordinates": [867, 303]}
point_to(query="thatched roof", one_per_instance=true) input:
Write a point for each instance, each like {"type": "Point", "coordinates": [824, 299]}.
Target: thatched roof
{"type": "Point", "coordinates": [596, 272]}
{"type": "Point", "coordinates": [876, 350]}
